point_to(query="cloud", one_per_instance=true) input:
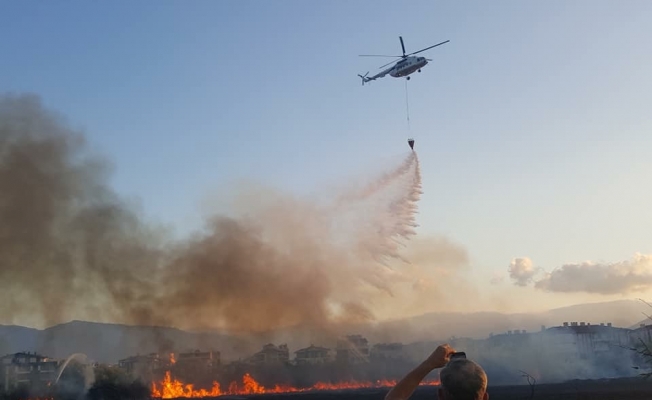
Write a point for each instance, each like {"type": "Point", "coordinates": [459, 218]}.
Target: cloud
{"type": "Point", "coordinates": [634, 275]}
{"type": "Point", "coordinates": [522, 271]}
{"type": "Point", "coordinates": [623, 277]}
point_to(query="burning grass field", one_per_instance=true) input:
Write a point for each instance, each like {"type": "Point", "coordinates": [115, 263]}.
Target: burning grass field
{"type": "Point", "coordinates": [171, 388]}
{"type": "Point", "coordinates": [249, 388]}
{"type": "Point", "coordinates": [612, 389]}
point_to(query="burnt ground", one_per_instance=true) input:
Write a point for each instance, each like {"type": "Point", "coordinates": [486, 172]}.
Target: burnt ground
{"type": "Point", "coordinates": [616, 389]}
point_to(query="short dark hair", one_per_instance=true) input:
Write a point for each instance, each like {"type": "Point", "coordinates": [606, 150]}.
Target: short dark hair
{"type": "Point", "coordinates": [463, 380]}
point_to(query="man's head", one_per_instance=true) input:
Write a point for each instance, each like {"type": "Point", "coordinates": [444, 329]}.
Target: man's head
{"type": "Point", "coordinates": [463, 379]}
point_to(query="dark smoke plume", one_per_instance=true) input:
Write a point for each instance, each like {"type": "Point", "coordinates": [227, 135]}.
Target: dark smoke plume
{"type": "Point", "coordinates": [71, 248]}
{"type": "Point", "coordinates": [68, 244]}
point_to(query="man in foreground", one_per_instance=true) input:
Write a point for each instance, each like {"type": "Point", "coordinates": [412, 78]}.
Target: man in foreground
{"type": "Point", "coordinates": [460, 379]}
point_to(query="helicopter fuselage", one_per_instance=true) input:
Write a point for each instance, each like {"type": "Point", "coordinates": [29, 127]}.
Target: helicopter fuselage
{"type": "Point", "coordinates": [407, 66]}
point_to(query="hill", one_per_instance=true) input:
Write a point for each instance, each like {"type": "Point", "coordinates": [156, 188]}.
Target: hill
{"type": "Point", "coordinates": [108, 343]}
{"type": "Point", "coordinates": [621, 313]}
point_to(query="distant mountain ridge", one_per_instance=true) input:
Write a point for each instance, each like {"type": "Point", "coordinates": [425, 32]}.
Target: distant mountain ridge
{"type": "Point", "coordinates": [108, 343]}
{"type": "Point", "coordinates": [621, 313]}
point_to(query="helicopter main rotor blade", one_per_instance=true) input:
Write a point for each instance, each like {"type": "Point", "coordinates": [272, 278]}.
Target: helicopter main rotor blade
{"type": "Point", "coordinates": [402, 45]}
{"type": "Point", "coordinates": [383, 66]}
{"type": "Point", "coordinates": [427, 48]}
{"type": "Point", "coordinates": [377, 55]}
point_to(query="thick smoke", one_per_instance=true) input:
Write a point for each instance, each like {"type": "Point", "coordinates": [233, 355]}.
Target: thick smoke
{"type": "Point", "coordinates": [71, 248]}
{"type": "Point", "coordinates": [622, 277]}
{"type": "Point", "coordinates": [68, 244]}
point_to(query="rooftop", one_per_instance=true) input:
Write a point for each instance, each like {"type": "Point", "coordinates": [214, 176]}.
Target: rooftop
{"type": "Point", "coordinates": [313, 348]}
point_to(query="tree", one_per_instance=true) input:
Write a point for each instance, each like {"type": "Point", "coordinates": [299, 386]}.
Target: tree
{"type": "Point", "coordinates": [114, 384]}
{"type": "Point", "coordinates": [644, 351]}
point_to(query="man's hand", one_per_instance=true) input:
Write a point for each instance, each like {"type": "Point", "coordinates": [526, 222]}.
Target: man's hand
{"type": "Point", "coordinates": [440, 357]}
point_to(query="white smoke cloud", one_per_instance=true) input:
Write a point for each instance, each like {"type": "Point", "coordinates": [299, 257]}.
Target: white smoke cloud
{"type": "Point", "coordinates": [522, 271]}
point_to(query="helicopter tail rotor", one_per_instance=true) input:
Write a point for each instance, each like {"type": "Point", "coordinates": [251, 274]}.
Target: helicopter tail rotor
{"type": "Point", "coordinates": [364, 77]}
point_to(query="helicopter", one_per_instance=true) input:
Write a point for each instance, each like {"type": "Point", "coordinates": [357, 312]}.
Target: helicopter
{"type": "Point", "coordinates": [407, 64]}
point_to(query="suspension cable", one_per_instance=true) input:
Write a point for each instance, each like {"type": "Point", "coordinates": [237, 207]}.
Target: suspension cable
{"type": "Point", "coordinates": [407, 104]}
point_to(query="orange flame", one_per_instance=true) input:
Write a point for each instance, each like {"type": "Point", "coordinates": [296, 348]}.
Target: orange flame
{"type": "Point", "coordinates": [170, 388]}
{"type": "Point", "coordinates": [172, 359]}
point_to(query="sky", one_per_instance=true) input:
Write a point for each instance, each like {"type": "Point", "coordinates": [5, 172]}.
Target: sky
{"type": "Point", "coordinates": [532, 124]}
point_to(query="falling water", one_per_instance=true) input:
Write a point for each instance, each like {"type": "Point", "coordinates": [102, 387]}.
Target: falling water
{"type": "Point", "coordinates": [89, 375]}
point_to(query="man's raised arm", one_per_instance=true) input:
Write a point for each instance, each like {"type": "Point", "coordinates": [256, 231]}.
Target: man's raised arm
{"type": "Point", "coordinates": [406, 386]}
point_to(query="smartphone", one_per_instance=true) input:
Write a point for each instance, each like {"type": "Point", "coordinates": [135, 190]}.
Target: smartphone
{"type": "Point", "coordinates": [458, 355]}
